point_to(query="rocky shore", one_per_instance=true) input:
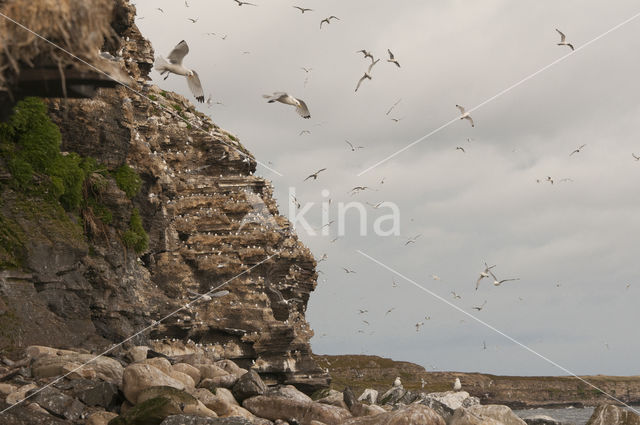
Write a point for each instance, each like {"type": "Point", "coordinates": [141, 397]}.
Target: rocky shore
{"type": "Point", "coordinates": [141, 386]}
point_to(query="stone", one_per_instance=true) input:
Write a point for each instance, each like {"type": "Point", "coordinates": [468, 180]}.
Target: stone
{"type": "Point", "coordinates": [541, 420]}
{"type": "Point", "coordinates": [608, 414]}
{"type": "Point", "coordinates": [393, 395]}
{"type": "Point", "coordinates": [187, 380]}
{"type": "Point", "coordinates": [289, 391]}
{"type": "Point", "coordinates": [139, 376]}
{"type": "Point", "coordinates": [440, 408]}
{"type": "Point", "coordinates": [179, 396]}
{"type": "Point", "coordinates": [159, 362]}
{"type": "Point", "coordinates": [36, 407]}
{"type": "Point", "coordinates": [97, 393]}
{"type": "Point", "coordinates": [369, 395]}
{"type": "Point", "coordinates": [250, 384]}
{"type": "Point", "coordinates": [231, 368]}
{"type": "Point", "coordinates": [187, 369]}
{"type": "Point", "coordinates": [57, 403]}
{"type": "Point", "coordinates": [37, 351]}
{"type": "Point", "coordinates": [196, 420]}
{"type": "Point", "coordinates": [19, 393]}
{"type": "Point", "coordinates": [210, 371]}
{"type": "Point", "coordinates": [100, 418]}
{"type": "Point", "coordinates": [334, 398]}
{"type": "Point", "coordinates": [226, 381]}
{"type": "Point", "coordinates": [138, 353]}
{"type": "Point", "coordinates": [453, 399]}
{"type": "Point", "coordinates": [276, 407]}
{"type": "Point", "coordinates": [104, 368]}
{"type": "Point", "coordinates": [463, 417]}
{"type": "Point", "coordinates": [357, 408]}
{"type": "Point", "coordinates": [411, 415]}
{"type": "Point", "coordinates": [23, 415]}
{"type": "Point", "coordinates": [149, 412]}
{"type": "Point", "coordinates": [502, 414]}
{"type": "Point", "coordinates": [6, 389]}
{"type": "Point", "coordinates": [222, 402]}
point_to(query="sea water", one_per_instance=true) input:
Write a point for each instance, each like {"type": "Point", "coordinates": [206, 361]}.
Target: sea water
{"type": "Point", "coordinates": [571, 415]}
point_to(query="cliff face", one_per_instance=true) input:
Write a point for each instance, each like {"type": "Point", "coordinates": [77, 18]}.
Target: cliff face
{"type": "Point", "coordinates": [210, 222]}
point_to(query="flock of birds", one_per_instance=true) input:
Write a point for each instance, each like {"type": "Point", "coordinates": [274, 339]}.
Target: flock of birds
{"type": "Point", "coordinates": [173, 64]}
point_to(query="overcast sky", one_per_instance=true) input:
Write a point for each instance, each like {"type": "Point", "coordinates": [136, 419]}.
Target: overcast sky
{"type": "Point", "coordinates": [573, 244]}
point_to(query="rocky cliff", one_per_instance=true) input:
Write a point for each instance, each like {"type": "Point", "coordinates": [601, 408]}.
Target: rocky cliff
{"type": "Point", "coordinates": [70, 279]}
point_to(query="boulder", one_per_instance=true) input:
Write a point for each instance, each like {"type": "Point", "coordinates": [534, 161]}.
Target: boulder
{"type": "Point", "coordinates": [57, 403]}
{"type": "Point", "coordinates": [541, 420]}
{"type": "Point", "coordinates": [20, 393]}
{"type": "Point", "coordinates": [161, 363]}
{"type": "Point", "coordinates": [140, 376]}
{"type": "Point", "coordinates": [196, 420]}
{"type": "Point", "coordinates": [23, 415]}
{"type": "Point", "coordinates": [226, 381]}
{"type": "Point", "coordinates": [289, 391]}
{"type": "Point", "coordinates": [180, 397]}
{"type": "Point", "coordinates": [6, 389]}
{"type": "Point", "coordinates": [100, 418]}
{"type": "Point", "coordinates": [276, 407]}
{"type": "Point", "coordinates": [187, 380]}
{"type": "Point", "coordinates": [502, 414]}
{"type": "Point", "coordinates": [210, 371]}
{"type": "Point", "coordinates": [412, 415]}
{"type": "Point", "coordinates": [187, 369]}
{"type": "Point", "coordinates": [94, 393]}
{"type": "Point", "coordinates": [149, 412]}
{"type": "Point", "coordinates": [369, 396]}
{"type": "Point", "coordinates": [138, 353]}
{"type": "Point", "coordinates": [223, 403]}
{"type": "Point", "coordinates": [80, 365]}
{"type": "Point", "coordinates": [250, 384]}
{"type": "Point", "coordinates": [608, 414]}
{"type": "Point", "coordinates": [37, 351]}
{"type": "Point", "coordinates": [393, 395]}
{"type": "Point", "coordinates": [231, 368]}
{"type": "Point", "coordinates": [464, 417]}
{"type": "Point", "coordinates": [358, 409]}
{"type": "Point", "coordinates": [452, 399]}
{"type": "Point", "coordinates": [334, 398]}
{"type": "Point", "coordinates": [440, 408]}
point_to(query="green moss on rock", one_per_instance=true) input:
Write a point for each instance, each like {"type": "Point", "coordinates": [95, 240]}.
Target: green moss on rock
{"type": "Point", "coordinates": [136, 237]}
{"type": "Point", "coordinates": [128, 180]}
{"type": "Point", "coordinates": [150, 412]}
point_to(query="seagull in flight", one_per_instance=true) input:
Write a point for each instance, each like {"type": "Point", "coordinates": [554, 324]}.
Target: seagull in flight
{"type": "Point", "coordinates": [636, 157]}
{"type": "Point", "coordinates": [413, 239]}
{"type": "Point", "coordinates": [366, 54]}
{"type": "Point", "coordinates": [360, 311]}
{"type": "Point", "coordinates": [160, 9]}
{"type": "Point", "coordinates": [287, 99]}
{"type": "Point", "coordinates": [393, 106]}
{"type": "Point", "coordinates": [465, 115]}
{"type": "Point", "coordinates": [396, 120]}
{"type": "Point", "coordinates": [193, 20]}
{"type": "Point", "coordinates": [348, 271]}
{"type": "Point", "coordinates": [480, 307]}
{"type": "Point", "coordinates": [485, 273]}
{"type": "Point", "coordinates": [327, 20]}
{"type": "Point", "coordinates": [303, 9]}
{"type": "Point", "coordinates": [390, 310]}
{"type": "Point", "coordinates": [358, 189]}
{"type": "Point", "coordinates": [563, 40]}
{"type": "Point", "coordinates": [353, 148]}
{"type": "Point", "coordinates": [240, 3]}
{"type": "Point", "coordinates": [578, 150]}
{"type": "Point", "coordinates": [315, 175]}
{"type": "Point", "coordinates": [394, 284]}
{"type": "Point", "coordinates": [460, 148]}
{"type": "Point", "coordinates": [455, 296]}
{"type": "Point", "coordinates": [304, 132]}
{"type": "Point", "coordinates": [392, 58]}
{"type": "Point", "coordinates": [497, 282]}
{"type": "Point", "coordinates": [174, 65]}
{"type": "Point", "coordinates": [419, 325]}
{"type": "Point", "coordinates": [367, 75]}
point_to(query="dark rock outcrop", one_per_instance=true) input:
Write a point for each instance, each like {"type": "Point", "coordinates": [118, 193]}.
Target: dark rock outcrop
{"type": "Point", "coordinates": [210, 221]}
{"type": "Point", "coordinates": [608, 414]}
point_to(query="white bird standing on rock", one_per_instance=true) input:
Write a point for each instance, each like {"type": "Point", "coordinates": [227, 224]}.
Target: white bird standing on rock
{"type": "Point", "coordinates": [397, 382]}
{"type": "Point", "coordinates": [287, 99]}
{"type": "Point", "coordinates": [457, 386]}
{"type": "Point", "coordinates": [174, 65]}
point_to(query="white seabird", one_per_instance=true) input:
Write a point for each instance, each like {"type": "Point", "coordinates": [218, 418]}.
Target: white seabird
{"type": "Point", "coordinates": [465, 115]}
{"type": "Point", "coordinates": [174, 65]}
{"type": "Point", "coordinates": [457, 386]}
{"type": "Point", "coordinates": [397, 382]}
{"type": "Point", "coordinates": [287, 99]}
{"type": "Point", "coordinates": [563, 39]}
{"type": "Point", "coordinates": [367, 75]}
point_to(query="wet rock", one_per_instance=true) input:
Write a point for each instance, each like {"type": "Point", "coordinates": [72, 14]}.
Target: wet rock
{"type": "Point", "coordinates": [250, 384]}
{"type": "Point", "coordinates": [83, 366]}
{"type": "Point", "coordinates": [412, 415]}
{"type": "Point", "coordinates": [57, 403]}
{"type": "Point", "coordinates": [139, 376]}
{"type": "Point", "coordinates": [608, 414]}
{"type": "Point", "coordinates": [541, 420]}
